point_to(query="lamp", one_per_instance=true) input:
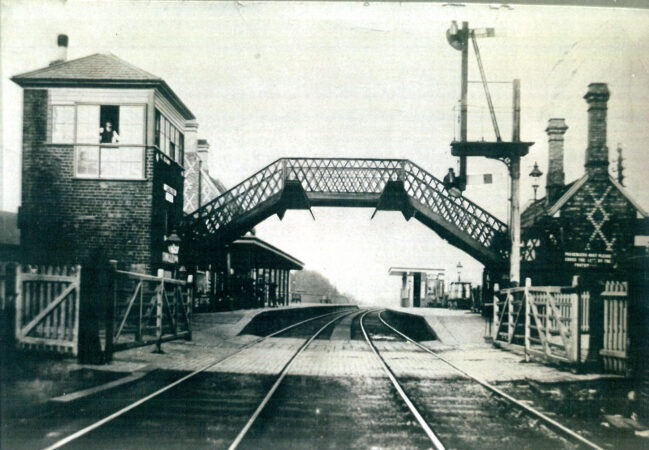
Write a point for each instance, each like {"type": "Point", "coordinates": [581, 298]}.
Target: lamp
{"type": "Point", "coordinates": [459, 270]}
{"type": "Point", "coordinates": [536, 174]}
{"type": "Point", "coordinates": [173, 243]}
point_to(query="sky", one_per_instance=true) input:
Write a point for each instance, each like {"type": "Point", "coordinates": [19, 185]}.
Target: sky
{"type": "Point", "coordinates": [329, 79]}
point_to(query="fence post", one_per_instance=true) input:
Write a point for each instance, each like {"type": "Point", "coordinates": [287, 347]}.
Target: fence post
{"type": "Point", "coordinates": [111, 301]}
{"type": "Point", "coordinates": [19, 300]}
{"type": "Point", "coordinates": [576, 317]}
{"type": "Point", "coordinates": [158, 319]}
{"type": "Point", "coordinates": [528, 284]}
{"type": "Point", "coordinates": [190, 305]}
{"type": "Point", "coordinates": [138, 331]}
{"type": "Point", "coordinates": [495, 321]}
{"type": "Point", "coordinates": [510, 317]}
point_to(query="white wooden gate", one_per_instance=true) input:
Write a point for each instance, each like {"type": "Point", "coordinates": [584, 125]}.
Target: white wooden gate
{"type": "Point", "coordinates": [47, 308]}
{"type": "Point", "coordinates": [616, 336]}
{"type": "Point", "coordinates": [543, 321]}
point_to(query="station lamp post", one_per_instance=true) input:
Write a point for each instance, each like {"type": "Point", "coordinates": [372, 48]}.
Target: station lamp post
{"type": "Point", "coordinates": [535, 174]}
{"type": "Point", "coordinates": [459, 270]}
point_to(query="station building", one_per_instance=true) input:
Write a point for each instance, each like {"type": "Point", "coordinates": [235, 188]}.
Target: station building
{"type": "Point", "coordinates": [588, 226]}
{"type": "Point", "coordinates": [111, 161]}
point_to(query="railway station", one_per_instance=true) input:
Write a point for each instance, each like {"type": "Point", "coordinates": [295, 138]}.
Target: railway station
{"type": "Point", "coordinates": [148, 297]}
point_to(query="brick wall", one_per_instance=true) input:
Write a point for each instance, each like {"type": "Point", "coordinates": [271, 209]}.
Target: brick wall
{"type": "Point", "coordinates": [63, 219]}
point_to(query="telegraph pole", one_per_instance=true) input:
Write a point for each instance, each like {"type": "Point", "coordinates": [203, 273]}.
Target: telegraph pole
{"type": "Point", "coordinates": [509, 153]}
{"type": "Point", "coordinates": [464, 33]}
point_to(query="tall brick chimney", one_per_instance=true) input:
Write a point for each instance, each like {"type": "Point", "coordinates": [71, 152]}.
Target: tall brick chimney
{"type": "Point", "coordinates": [597, 151]}
{"type": "Point", "coordinates": [556, 177]}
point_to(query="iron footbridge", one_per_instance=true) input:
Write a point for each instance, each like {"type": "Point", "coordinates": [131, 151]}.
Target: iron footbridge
{"type": "Point", "coordinates": [383, 184]}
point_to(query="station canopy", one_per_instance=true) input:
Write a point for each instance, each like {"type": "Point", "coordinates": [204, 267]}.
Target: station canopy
{"type": "Point", "coordinates": [250, 251]}
{"type": "Point", "coordinates": [400, 271]}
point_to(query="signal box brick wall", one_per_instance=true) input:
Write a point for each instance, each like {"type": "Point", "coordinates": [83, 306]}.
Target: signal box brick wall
{"type": "Point", "coordinates": [63, 219]}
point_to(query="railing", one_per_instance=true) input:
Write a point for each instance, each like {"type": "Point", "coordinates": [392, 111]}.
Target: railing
{"type": "Point", "coordinates": [342, 177]}
{"type": "Point", "coordinates": [150, 309]}
{"type": "Point", "coordinates": [47, 308]}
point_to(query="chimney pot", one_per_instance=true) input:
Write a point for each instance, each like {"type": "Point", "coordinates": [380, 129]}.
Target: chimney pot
{"type": "Point", "coordinates": [62, 42]}
{"type": "Point", "coordinates": [556, 177]}
{"type": "Point", "coordinates": [597, 151]}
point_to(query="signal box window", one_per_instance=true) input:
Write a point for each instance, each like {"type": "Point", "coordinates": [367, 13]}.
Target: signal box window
{"type": "Point", "coordinates": [108, 124]}
{"type": "Point", "coordinates": [168, 139]}
{"type": "Point", "coordinates": [110, 141]}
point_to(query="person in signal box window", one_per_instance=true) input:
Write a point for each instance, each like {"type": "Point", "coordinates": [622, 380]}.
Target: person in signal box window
{"type": "Point", "coordinates": [107, 135]}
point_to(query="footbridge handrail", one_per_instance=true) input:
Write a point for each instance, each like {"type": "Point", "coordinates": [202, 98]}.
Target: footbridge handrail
{"type": "Point", "coordinates": [389, 184]}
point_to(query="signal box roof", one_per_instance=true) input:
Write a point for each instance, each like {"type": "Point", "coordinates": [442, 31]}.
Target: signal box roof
{"type": "Point", "coordinates": [101, 71]}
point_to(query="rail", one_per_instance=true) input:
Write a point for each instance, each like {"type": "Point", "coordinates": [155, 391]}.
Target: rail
{"type": "Point", "coordinates": [553, 424]}
{"type": "Point", "coordinates": [424, 425]}
{"type": "Point", "coordinates": [237, 440]}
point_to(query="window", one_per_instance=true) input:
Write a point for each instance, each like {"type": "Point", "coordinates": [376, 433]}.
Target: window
{"type": "Point", "coordinates": [63, 124]}
{"type": "Point", "coordinates": [168, 139]}
{"type": "Point", "coordinates": [109, 124]}
{"type": "Point", "coordinates": [110, 141]}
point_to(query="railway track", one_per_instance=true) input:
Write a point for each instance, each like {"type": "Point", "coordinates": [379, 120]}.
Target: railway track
{"type": "Point", "coordinates": [445, 409]}
{"type": "Point", "coordinates": [75, 437]}
{"type": "Point", "coordinates": [220, 409]}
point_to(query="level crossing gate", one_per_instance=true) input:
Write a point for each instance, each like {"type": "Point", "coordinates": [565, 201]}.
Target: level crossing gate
{"type": "Point", "coordinates": [150, 309]}
{"type": "Point", "coordinates": [47, 308]}
{"type": "Point", "coordinates": [554, 323]}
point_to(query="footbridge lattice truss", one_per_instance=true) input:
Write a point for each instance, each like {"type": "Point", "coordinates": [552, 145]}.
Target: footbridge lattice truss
{"type": "Point", "coordinates": [385, 184]}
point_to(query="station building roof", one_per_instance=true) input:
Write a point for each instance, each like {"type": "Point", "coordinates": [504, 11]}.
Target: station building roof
{"type": "Point", "coordinates": [542, 208]}
{"type": "Point", "coordinates": [101, 70]}
{"type": "Point", "coordinates": [252, 252]}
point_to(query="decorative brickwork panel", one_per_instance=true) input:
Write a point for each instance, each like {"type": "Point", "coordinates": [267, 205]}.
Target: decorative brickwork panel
{"type": "Point", "coordinates": [598, 224]}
